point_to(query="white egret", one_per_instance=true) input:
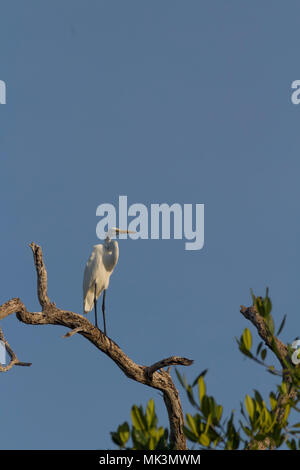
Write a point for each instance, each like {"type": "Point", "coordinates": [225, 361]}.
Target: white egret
{"type": "Point", "coordinates": [97, 272]}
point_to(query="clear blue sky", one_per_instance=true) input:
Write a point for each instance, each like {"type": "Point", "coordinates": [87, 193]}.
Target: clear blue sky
{"type": "Point", "coordinates": [169, 101]}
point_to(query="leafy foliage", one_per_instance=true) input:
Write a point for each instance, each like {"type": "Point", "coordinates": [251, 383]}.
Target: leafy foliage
{"type": "Point", "coordinates": [144, 432]}
{"type": "Point", "coordinates": [258, 422]}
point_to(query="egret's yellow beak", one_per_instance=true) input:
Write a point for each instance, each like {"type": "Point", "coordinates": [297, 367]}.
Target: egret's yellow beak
{"type": "Point", "coordinates": [118, 230]}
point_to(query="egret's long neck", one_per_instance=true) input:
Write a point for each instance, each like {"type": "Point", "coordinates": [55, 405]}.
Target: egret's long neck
{"type": "Point", "coordinates": [112, 254]}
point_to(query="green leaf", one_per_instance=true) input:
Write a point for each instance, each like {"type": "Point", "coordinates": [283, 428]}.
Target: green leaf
{"type": "Point", "coordinates": [200, 375]}
{"type": "Point", "coordinates": [124, 432]}
{"type": "Point", "coordinates": [189, 434]}
{"type": "Point", "coordinates": [150, 413]}
{"type": "Point", "coordinates": [267, 303]}
{"type": "Point", "coordinates": [273, 401]}
{"type": "Point", "coordinates": [246, 429]}
{"type": "Point", "coordinates": [243, 348]}
{"type": "Point", "coordinates": [249, 406]}
{"type": "Point", "coordinates": [152, 443]}
{"type": "Point", "coordinates": [205, 405]}
{"type": "Point", "coordinates": [271, 370]}
{"type": "Point", "coordinates": [160, 432]}
{"type": "Point", "coordinates": [263, 354]}
{"type": "Point", "coordinates": [163, 441]}
{"type": "Point", "coordinates": [137, 419]}
{"type": "Point", "coordinates": [292, 444]}
{"type": "Point", "coordinates": [267, 292]}
{"type": "Point", "coordinates": [212, 406]}
{"type": "Point", "coordinates": [260, 306]}
{"type": "Point", "coordinates": [201, 389]}
{"type": "Point", "coordinates": [286, 413]}
{"type": "Point", "coordinates": [219, 412]}
{"type": "Point", "coordinates": [281, 326]}
{"type": "Point", "coordinates": [247, 339]}
{"type": "Point", "coordinates": [116, 439]}
{"type": "Point", "coordinates": [190, 395]}
{"type": "Point", "coordinates": [139, 439]}
{"type": "Point", "coordinates": [270, 323]}
{"type": "Point", "coordinates": [259, 348]}
{"type": "Point", "coordinates": [208, 423]}
{"type": "Point", "coordinates": [199, 423]}
{"type": "Point", "coordinates": [190, 421]}
{"type": "Point", "coordinates": [204, 440]}
{"type": "Point", "coordinates": [179, 377]}
{"type": "Point", "coordinates": [182, 379]}
{"type": "Point", "coordinates": [122, 435]}
{"type": "Point", "coordinates": [258, 397]}
{"type": "Point", "coordinates": [253, 296]}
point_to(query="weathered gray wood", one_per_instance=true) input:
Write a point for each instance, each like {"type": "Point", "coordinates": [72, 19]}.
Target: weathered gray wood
{"type": "Point", "coordinates": [14, 361]}
{"type": "Point", "coordinates": [52, 315]}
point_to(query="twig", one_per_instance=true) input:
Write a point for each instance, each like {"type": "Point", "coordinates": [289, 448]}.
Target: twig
{"type": "Point", "coordinates": [14, 361]}
{"type": "Point", "coordinates": [71, 333]}
{"type": "Point", "coordinates": [169, 361]}
{"type": "Point", "coordinates": [41, 275]}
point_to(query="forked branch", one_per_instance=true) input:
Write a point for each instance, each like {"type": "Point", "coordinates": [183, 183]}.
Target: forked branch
{"type": "Point", "coordinates": [14, 361]}
{"type": "Point", "coordinates": [52, 315]}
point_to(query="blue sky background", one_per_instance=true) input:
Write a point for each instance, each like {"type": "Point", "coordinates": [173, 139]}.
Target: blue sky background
{"type": "Point", "coordinates": [170, 101]}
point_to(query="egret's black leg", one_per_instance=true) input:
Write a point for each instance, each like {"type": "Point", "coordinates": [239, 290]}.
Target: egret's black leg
{"type": "Point", "coordinates": [95, 306]}
{"type": "Point", "coordinates": [103, 310]}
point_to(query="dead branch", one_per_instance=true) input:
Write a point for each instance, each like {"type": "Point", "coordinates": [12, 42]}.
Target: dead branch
{"type": "Point", "coordinates": [52, 315]}
{"type": "Point", "coordinates": [169, 361]}
{"type": "Point", "coordinates": [14, 361]}
{"type": "Point", "coordinates": [73, 332]}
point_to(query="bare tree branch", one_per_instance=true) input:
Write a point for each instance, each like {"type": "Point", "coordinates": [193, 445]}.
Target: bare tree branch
{"type": "Point", "coordinates": [170, 361]}
{"type": "Point", "coordinates": [41, 275]}
{"type": "Point", "coordinates": [52, 315]}
{"type": "Point", "coordinates": [73, 332]}
{"type": "Point", "coordinates": [14, 361]}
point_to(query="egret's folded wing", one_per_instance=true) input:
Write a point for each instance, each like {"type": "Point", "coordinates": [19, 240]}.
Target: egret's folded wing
{"type": "Point", "coordinates": [90, 272]}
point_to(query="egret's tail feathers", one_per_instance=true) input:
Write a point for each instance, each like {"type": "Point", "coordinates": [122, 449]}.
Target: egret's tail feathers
{"type": "Point", "coordinates": [88, 302]}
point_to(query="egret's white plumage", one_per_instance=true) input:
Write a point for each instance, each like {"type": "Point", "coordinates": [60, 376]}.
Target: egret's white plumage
{"type": "Point", "coordinates": [98, 270]}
